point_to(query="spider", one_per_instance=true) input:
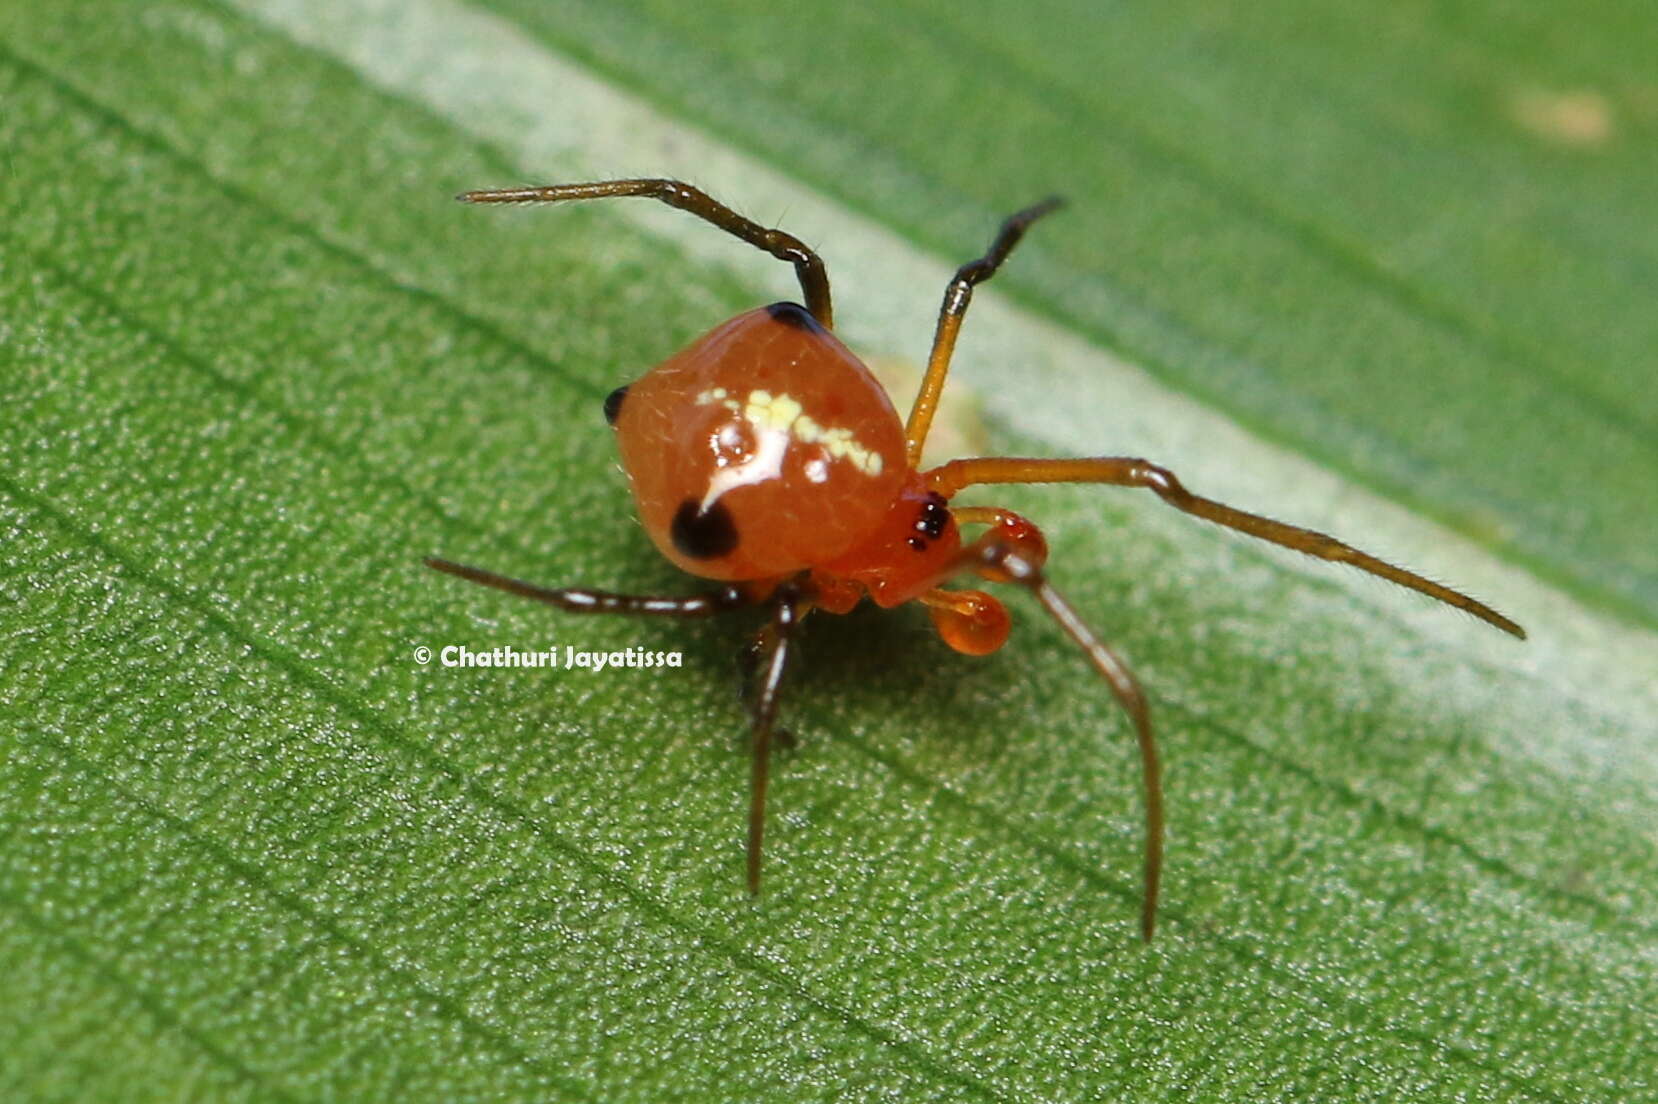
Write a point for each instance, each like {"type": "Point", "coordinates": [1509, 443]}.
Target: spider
{"type": "Point", "coordinates": [767, 458]}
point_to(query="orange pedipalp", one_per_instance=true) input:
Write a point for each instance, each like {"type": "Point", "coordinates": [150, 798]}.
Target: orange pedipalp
{"type": "Point", "coordinates": [970, 621]}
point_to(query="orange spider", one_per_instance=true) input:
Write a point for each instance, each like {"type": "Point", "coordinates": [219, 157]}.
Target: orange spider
{"type": "Point", "coordinates": [765, 456]}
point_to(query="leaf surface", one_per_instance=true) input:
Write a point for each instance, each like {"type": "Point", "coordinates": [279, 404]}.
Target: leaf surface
{"type": "Point", "coordinates": [256, 365]}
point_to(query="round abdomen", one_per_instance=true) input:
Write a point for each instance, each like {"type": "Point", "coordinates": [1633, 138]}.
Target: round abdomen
{"type": "Point", "coordinates": [763, 449]}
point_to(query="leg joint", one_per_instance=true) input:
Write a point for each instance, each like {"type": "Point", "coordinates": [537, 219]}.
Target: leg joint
{"type": "Point", "coordinates": [1156, 478]}
{"type": "Point", "coordinates": [1003, 561]}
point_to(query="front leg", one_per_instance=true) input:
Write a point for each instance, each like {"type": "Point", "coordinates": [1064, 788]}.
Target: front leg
{"type": "Point", "coordinates": [1131, 471]}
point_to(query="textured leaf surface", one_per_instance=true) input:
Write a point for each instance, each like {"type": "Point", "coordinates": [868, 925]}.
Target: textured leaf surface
{"type": "Point", "coordinates": [255, 364]}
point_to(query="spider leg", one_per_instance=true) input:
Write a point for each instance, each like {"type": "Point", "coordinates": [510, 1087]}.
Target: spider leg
{"type": "Point", "coordinates": [956, 298]}
{"type": "Point", "coordinates": [774, 659]}
{"type": "Point", "coordinates": [1001, 560]}
{"type": "Point", "coordinates": [1130, 471]}
{"type": "Point", "coordinates": [749, 660]}
{"type": "Point", "coordinates": [808, 267]}
{"type": "Point", "coordinates": [1013, 550]}
{"type": "Point", "coordinates": [582, 600]}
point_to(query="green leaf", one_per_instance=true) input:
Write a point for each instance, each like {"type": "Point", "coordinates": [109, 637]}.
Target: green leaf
{"type": "Point", "coordinates": [1378, 271]}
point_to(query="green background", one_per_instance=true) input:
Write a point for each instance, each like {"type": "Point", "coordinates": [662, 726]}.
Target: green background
{"type": "Point", "coordinates": [252, 372]}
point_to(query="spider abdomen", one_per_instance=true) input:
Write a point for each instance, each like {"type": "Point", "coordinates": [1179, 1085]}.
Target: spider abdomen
{"type": "Point", "coordinates": [762, 449]}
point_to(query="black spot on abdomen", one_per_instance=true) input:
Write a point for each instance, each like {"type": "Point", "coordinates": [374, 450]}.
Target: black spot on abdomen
{"type": "Point", "coordinates": [613, 404]}
{"type": "Point", "coordinates": [794, 316]}
{"type": "Point", "coordinates": [703, 534]}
